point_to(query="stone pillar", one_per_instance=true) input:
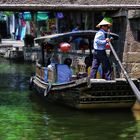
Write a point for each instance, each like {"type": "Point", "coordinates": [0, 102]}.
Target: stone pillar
{"type": "Point", "coordinates": [131, 55]}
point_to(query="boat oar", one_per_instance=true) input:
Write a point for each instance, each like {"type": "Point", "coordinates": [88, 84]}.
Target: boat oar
{"type": "Point", "coordinates": [131, 83]}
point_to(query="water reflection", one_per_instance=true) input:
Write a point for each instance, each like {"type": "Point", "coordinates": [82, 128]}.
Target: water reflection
{"type": "Point", "coordinates": [26, 116]}
{"type": "Point", "coordinates": [65, 123]}
{"type": "Point", "coordinates": [136, 114]}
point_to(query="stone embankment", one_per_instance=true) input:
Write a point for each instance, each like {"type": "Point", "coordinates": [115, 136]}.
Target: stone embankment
{"type": "Point", "coordinates": [13, 49]}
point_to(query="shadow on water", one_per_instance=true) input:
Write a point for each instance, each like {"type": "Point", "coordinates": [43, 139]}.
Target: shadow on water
{"type": "Point", "coordinates": [26, 116]}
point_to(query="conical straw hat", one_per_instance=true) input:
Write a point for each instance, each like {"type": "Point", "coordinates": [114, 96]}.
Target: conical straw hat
{"type": "Point", "coordinates": [105, 21]}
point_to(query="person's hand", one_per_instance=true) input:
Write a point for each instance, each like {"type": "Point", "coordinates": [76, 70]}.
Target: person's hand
{"type": "Point", "coordinates": [108, 40]}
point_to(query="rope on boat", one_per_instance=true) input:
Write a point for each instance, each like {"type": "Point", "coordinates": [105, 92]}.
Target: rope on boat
{"type": "Point", "coordinates": [31, 82]}
{"type": "Point", "coordinates": [46, 92]}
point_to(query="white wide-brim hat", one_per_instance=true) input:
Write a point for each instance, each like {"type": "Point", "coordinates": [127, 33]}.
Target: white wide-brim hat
{"type": "Point", "coordinates": [105, 21]}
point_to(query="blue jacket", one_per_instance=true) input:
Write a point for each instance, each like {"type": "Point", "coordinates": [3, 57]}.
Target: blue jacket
{"type": "Point", "coordinates": [64, 73]}
{"type": "Point", "coordinates": [100, 40]}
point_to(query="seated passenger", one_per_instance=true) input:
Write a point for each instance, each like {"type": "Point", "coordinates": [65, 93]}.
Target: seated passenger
{"type": "Point", "coordinates": [64, 72]}
{"type": "Point", "coordinates": [88, 61]}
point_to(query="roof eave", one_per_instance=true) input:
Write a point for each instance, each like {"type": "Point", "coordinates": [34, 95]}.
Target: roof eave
{"type": "Point", "coordinates": [58, 7]}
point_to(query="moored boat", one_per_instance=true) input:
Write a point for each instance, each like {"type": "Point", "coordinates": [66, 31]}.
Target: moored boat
{"type": "Point", "coordinates": [81, 91]}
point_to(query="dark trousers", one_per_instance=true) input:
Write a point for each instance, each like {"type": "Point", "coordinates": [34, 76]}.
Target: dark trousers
{"type": "Point", "coordinates": [100, 57]}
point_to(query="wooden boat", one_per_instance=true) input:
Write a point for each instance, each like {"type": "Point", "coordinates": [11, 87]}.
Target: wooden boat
{"type": "Point", "coordinates": [81, 92]}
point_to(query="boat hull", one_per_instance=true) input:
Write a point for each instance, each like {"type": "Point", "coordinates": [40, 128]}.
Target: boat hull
{"type": "Point", "coordinates": [99, 94]}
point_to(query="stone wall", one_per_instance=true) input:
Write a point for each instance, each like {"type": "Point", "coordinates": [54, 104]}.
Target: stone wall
{"type": "Point", "coordinates": [32, 54]}
{"type": "Point", "coordinates": [131, 56]}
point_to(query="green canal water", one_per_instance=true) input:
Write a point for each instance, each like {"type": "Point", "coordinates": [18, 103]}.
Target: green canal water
{"type": "Point", "coordinates": [25, 116]}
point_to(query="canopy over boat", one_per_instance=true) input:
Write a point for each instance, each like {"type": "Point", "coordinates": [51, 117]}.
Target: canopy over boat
{"type": "Point", "coordinates": [65, 37]}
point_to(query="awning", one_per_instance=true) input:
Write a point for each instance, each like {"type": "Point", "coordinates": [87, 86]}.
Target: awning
{"type": "Point", "coordinates": [27, 16]}
{"type": "Point", "coordinates": [42, 16]}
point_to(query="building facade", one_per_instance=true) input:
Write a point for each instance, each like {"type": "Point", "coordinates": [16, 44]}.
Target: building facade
{"type": "Point", "coordinates": [125, 14]}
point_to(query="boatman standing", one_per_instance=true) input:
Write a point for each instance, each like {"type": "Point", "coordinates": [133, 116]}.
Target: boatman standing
{"type": "Point", "coordinates": [99, 45]}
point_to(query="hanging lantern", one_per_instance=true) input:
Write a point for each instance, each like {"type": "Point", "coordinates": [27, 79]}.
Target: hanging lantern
{"type": "Point", "coordinates": [107, 46]}
{"type": "Point", "coordinates": [65, 47]}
